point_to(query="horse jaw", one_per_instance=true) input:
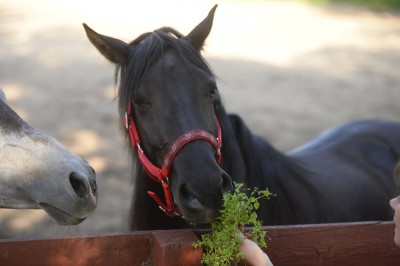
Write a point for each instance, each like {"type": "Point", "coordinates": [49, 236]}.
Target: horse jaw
{"type": "Point", "coordinates": [61, 217]}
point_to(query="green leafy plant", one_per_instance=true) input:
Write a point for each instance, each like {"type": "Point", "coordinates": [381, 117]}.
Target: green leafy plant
{"type": "Point", "coordinates": [221, 245]}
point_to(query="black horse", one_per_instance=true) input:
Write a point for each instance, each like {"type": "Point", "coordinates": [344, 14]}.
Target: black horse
{"type": "Point", "coordinates": [166, 89]}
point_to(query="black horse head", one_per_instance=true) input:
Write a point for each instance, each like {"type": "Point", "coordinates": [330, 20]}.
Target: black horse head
{"type": "Point", "coordinates": [172, 91]}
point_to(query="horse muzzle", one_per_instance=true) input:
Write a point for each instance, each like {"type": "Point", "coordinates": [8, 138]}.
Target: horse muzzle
{"type": "Point", "coordinates": [199, 184]}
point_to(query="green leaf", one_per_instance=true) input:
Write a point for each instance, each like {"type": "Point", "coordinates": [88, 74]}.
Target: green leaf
{"type": "Point", "coordinates": [253, 216]}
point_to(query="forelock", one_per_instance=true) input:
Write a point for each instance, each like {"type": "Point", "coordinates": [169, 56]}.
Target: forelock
{"type": "Point", "coordinates": [147, 48]}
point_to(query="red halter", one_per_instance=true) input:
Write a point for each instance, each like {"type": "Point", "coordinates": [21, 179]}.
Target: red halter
{"type": "Point", "coordinates": [160, 175]}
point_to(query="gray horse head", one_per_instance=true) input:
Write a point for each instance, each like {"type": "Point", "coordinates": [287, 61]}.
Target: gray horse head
{"type": "Point", "coordinates": [36, 171]}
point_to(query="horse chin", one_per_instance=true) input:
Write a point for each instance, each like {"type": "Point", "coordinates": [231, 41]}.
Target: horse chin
{"type": "Point", "coordinates": [201, 217]}
{"type": "Point", "coordinates": [61, 217]}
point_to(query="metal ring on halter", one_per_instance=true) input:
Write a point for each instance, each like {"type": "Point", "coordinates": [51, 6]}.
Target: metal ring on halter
{"type": "Point", "coordinates": [126, 121]}
{"type": "Point", "coordinates": [139, 148]}
{"type": "Point", "coordinates": [165, 180]}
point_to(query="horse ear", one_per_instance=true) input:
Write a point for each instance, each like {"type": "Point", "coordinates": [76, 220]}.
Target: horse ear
{"type": "Point", "coordinates": [114, 50]}
{"type": "Point", "coordinates": [199, 34]}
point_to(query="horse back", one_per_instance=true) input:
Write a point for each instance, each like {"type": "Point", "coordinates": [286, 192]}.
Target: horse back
{"type": "Point", "coordinates": [352, 166]}
{"type": "Point", "coordinates": [354, 133]}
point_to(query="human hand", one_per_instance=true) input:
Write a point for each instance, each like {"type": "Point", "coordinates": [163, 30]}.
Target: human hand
{"type": "Point", "coordinates": [253, 254]}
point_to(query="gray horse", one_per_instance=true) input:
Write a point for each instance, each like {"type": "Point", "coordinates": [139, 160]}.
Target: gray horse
{"type": "Point", "coordinates": [36, 171]}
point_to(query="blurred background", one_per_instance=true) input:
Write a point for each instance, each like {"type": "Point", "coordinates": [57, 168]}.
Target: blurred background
{"type": "Point", "coordinates": [291, 69]}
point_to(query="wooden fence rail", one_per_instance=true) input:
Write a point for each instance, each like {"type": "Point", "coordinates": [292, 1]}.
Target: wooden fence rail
{"type": "Point", "coordinates": [369, 243]}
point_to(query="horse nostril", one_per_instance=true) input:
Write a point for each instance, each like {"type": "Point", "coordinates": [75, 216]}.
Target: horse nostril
{"type": "Point", "coordinates": [186, 194]}
{"type": "Point", "coordinates": [93, 187]}
{"type": "Point", "coordinates": [92, 170]}
{"type": "Point", "coordinates": [79, 186]}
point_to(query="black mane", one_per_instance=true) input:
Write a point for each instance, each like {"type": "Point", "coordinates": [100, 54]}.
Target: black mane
{"type": "Point", "coordinates": [148, 48]}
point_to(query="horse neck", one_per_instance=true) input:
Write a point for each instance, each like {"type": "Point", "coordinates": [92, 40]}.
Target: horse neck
{"type": "Point", "coordinates": [248, 158]}
{"type": "Point", "coordinates": [265, 167]}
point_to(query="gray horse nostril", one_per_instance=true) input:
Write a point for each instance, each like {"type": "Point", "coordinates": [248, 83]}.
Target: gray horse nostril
{"type": "Point", "coordinates": [79, 186]}
{"type": "Point", "coordinates": [92, 170]}
{"type": "Point", "coordinates": [93, 187]}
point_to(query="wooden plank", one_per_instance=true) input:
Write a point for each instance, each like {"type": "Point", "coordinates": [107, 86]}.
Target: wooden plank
{"type": "Point", "coordinates": [333, 244]}
{"type": "Point", "coordinates": [330, 244]}
{"type": "Point", "coordinates": [113, 249]}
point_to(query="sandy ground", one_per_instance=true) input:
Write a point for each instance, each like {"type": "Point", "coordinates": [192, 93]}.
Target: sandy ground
{"type": "Point", "coordinates": [290, 70]}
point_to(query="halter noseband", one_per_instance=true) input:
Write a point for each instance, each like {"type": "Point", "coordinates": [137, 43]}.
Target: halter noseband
{"type": "Point", "coordinates": [160, 175]}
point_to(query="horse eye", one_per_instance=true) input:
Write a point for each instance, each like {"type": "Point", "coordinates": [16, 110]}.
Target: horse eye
{"type": "Point", "coordinates": [141, 101]}
{"type": "Point", "coordinates": [213, 90]}
{"type": "Point", "coordinates": [138, 101]}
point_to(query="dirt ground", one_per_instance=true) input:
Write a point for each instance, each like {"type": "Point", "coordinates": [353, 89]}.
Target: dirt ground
{"type": "Point", "coordinates": [289, 69]}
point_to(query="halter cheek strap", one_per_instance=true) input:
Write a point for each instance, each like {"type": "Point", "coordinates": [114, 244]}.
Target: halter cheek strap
{"type": "Point", "coordinates": [161, 175]}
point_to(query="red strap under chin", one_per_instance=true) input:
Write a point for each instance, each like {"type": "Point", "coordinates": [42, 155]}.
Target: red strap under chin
{"type": "Point", "coordinates": [161, 175]}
